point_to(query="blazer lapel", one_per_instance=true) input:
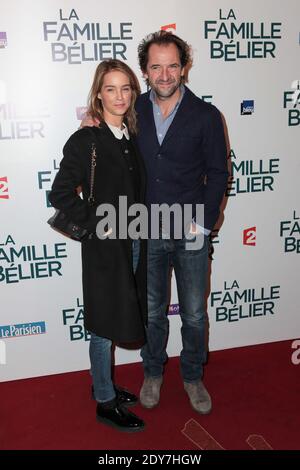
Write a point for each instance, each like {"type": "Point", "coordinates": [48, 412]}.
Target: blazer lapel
{"type": "Point", "coordinates": [148, 124]}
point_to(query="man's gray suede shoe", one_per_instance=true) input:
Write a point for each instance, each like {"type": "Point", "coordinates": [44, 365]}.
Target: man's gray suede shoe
{"type": "Point", "coordinates": [150, 391]}
{"type": "Point", "coordinates": [199, 397]}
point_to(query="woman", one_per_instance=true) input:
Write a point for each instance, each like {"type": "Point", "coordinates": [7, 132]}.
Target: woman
{"type": "Point", "coordinates": [113, 270]}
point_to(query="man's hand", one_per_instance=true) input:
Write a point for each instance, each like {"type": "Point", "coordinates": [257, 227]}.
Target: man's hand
{"type": "Point", "coordinates": [194, 229]}
{"type": "Point", "coordinates": [89, 122]}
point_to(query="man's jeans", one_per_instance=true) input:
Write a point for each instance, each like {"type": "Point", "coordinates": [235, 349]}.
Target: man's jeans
{"type": "Point", "coordinates": [190, 268]}
{"type": "Point", "coordinates": [100, 353]}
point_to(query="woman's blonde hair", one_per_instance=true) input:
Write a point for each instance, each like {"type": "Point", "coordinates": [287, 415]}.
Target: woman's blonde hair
{"type": "Point", "coordinates": [95, 108]}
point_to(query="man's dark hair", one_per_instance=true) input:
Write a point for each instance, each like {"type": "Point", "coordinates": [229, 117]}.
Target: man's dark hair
{"type": "Point", "coordinates": [163, 38]}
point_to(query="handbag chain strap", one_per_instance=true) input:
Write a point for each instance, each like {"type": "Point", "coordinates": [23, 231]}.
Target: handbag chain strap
{"type": "Point", "coordinates": [91, 198]}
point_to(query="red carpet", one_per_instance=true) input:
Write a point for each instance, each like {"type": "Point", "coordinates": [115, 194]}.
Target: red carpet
{"type": "Point", "coordinates": [255, 392]}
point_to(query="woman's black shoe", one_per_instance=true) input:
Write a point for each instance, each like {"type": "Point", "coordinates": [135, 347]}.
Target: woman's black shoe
{"type": "Point", "coordinates": [123, 396]}
{"type": "Point", "coordinates": [117, 416]}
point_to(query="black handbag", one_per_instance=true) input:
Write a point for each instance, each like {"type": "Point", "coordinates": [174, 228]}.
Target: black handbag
{"type": "Point", "coordinates": [62, 222]}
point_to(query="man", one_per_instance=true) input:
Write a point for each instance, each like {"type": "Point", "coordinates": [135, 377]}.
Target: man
{"type": "Point", "coordinates": [182, 141]}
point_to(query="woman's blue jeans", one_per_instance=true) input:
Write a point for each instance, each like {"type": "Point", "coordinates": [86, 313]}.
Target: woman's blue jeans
{"type": "Point", "coordinates": [101, 351]}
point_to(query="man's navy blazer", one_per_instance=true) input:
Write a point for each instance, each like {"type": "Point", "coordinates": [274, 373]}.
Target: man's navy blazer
{"type": "Point", "coordinates": [190, 167]}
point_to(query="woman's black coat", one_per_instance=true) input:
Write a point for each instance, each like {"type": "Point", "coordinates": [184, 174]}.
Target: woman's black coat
{"type": "Point", "coordinates": [115, 301]}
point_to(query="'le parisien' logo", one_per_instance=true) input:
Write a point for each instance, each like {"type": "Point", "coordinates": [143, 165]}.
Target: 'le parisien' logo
{"type": "Point", "coordinates": [75, 42]}
{"type": "Point", "coordinates": [231, 40]}
{"type": "Point", "coordinates": [23, 329]}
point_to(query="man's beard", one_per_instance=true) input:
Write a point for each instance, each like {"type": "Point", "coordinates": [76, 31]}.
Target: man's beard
{"type": "Point", "coordinates": [166, 93]}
